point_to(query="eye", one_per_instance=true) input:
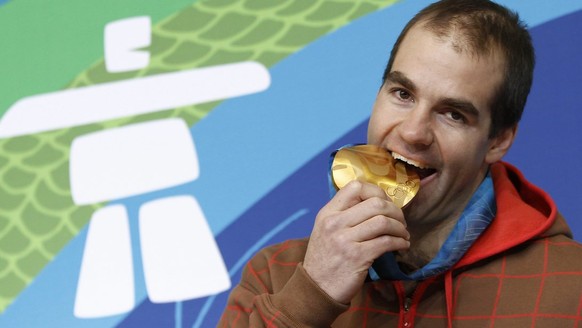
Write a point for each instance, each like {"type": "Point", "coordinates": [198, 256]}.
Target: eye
{"type": "Point", "coordinates": [402, 95]}
{"type": "Point", "coordinates": [456, 116]}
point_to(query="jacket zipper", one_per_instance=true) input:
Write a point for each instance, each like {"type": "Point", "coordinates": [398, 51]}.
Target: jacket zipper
{"type": "Point", "coordinates": [406, 306]}
{"type": "Point", "coordinates": [407, 303]}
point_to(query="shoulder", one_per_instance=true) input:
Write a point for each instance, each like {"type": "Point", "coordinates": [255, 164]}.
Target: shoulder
{"type": "Point", "coordinates": [557, 253]}
{"type": "Point", "coordinates": [541, 275]}
{"type": "Point", "coordinates": [555, 256]}
{"type": "Point", "coordinates": [551, 264]}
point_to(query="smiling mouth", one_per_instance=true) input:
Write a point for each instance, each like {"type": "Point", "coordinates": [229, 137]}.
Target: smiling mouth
{"type": "Point", "coordinates": [422, 170]}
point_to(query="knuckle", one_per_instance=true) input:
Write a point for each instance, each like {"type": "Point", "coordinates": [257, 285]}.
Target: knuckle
{"type": "Point", "coordinates": [377, 203]}
{"type": "Point", "coordinates": [330, 223]}
{"type": "Point", "coordinates": [382, 222]}
{"type": "Point", "coordinates": [355, 185]}
{"type": "Point", "coordinates": [340, 240]}
{"type": "Point", "coordinates": [325, 219]}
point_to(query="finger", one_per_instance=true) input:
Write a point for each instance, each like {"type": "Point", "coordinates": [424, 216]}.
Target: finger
{"type": "Point", "coordinates": [382, 244]}
{"type": "Point", "coordinates": [377, 226]}
{"type": "Point", "coordinates": [371, 207]}
{"type": "Point", "coordinates": [355, 192]}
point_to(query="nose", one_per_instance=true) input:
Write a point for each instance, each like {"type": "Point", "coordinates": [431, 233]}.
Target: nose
{"type": "Point", "coordinates": [416, 129]}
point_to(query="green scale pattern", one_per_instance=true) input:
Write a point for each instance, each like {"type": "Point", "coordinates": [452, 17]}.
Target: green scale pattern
{"type": "Point", "coordinates": [37, 214]}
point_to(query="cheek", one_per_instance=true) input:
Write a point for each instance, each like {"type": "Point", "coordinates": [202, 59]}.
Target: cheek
{"type": "Point", "coordinates": [465, 160]}
{"type": "Point", "coordinates": [371, 132]}
{"type": "Point", "coordinates": [376, 130]}
{"type": "Point", "coordinates": [372, 128]}
{"type": "Point", "coordinates": [375, 122]}
{"type": "Point", "coordinates": [379, 126]}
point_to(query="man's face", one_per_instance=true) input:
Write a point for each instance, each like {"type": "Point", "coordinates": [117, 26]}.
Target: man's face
{"type": "Point", "coordinates": [433, 112]}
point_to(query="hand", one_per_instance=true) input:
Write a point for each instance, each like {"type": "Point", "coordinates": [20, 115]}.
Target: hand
{"type": "Point", "coordinates": [359, 224]}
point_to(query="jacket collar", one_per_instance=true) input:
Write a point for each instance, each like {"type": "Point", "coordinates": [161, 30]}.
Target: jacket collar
{"type": "Point", "coordinates": [524, 212]}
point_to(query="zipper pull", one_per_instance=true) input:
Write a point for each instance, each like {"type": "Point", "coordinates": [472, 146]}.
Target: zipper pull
{"type": "Point", "coordinates": [407, 303]}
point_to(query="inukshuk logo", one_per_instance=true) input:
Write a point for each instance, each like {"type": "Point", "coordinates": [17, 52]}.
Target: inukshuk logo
{"type": "Point", "coordinates": [180, 258]}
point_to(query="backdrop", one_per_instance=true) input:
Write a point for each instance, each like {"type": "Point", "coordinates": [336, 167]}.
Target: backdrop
{"type": "Point", "coordinates": [149, 149]}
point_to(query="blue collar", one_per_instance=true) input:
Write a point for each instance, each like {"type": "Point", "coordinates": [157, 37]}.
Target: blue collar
{"type": "Point", "coordinates": [473, 221]}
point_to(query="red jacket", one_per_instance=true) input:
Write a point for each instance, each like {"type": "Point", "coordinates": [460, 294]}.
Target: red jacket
{"type": "Point", "coordinates": [523, 271]}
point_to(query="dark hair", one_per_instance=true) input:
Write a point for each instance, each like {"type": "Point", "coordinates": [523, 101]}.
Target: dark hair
{"type": "Point", "coordinates": [482, 27]}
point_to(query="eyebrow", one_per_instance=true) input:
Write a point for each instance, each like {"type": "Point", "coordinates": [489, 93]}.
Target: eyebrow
{"type": "Point", "coordinates": [396, 77]}
{"type": "Point", "coordinates": [461, 105]}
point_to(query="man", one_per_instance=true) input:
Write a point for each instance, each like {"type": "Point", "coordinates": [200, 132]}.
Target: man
{"type": "Point", "coordinates": [479, 246]}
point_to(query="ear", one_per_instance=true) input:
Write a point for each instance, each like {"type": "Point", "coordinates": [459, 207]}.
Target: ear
{"type": "Point", "coordinates": [499, 145]}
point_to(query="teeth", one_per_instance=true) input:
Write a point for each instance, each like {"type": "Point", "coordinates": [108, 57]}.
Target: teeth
{"type": "Point", "coordinates": [409, 161]}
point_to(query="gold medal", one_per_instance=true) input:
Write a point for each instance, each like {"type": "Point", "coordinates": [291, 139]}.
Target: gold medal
{"type": "Point", "coordinates": [374, 164]}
